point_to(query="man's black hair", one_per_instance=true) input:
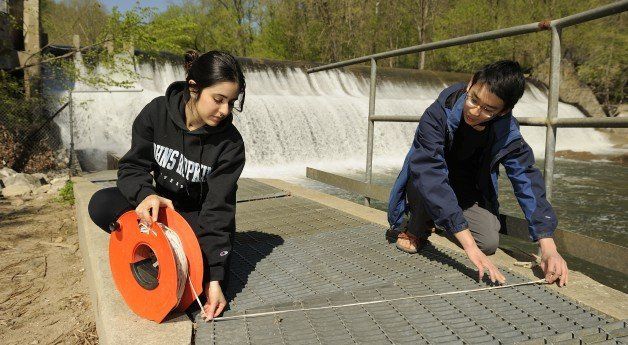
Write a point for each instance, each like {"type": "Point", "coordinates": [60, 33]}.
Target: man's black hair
{"type": "Point", "coordinates": [505, 80]}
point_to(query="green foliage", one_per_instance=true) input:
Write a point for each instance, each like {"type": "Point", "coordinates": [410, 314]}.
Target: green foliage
{"type": "Point", "coordinates": [601, 59]}
{"type": "Point", "coordinates": [17, 110]}
{"type": "Point", "coordinates": [170, 31]}
{"type": "Point", "coordinates": [597, 49]}
{"type": "Point", "coordinates": [62, 19]}
{"type": "Point", "coordinates": [66, 194]}
{"type": "Point", "coordinates": [333, 30]}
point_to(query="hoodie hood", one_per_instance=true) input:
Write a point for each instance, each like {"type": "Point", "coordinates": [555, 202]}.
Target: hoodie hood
{"type": "Point", "coordinates": [177, 96]}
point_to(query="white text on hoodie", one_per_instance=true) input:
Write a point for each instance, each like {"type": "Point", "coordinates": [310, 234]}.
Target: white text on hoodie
{"type": "Point", "coordinates": [190, 170]}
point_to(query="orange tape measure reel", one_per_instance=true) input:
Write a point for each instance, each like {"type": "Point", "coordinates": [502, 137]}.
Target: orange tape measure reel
{"type": "Point", "coordinates": [143, 264]}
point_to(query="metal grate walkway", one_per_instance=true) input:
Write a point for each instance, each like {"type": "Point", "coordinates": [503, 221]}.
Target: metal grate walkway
{"type": "Point", "coordinates": [292, 253]}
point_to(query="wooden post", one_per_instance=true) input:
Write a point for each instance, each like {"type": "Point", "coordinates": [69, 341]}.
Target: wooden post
{"type": "Point", "coordinates": [109, 46]}
{"type": "Point", "coordinates": [128, 48]}
{"type": "Point", "coordinates": [76, 42]}
{"type": "Point", "coordinates": [32, 75]}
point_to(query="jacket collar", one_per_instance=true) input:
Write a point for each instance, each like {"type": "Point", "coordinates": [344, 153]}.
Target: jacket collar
{"type": "Point", "coordinates": [455, 114]}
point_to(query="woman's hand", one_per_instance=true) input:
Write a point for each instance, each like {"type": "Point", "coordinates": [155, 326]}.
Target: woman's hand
{"type": "Point", "coordinates": [148, 209]}
{"type": "Point", "coordinates": [216, 301]}
{"type": "Point", "coordinates": [553, 265]}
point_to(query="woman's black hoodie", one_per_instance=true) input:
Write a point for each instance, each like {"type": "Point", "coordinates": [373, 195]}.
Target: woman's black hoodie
{"type": "Point", "coordinates": [197, 170]}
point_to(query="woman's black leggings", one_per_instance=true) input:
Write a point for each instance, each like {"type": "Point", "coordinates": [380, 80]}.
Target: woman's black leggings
{"type": "Point", "coordinates": [108, 204]}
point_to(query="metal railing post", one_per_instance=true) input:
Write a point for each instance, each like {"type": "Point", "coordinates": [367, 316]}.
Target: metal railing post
{"type": "Point", "coordinates": [371, 128]}
{"type": "Point", "coordinates": [71, 109]}
{"type": "Point", "coordinates": [552, 111]}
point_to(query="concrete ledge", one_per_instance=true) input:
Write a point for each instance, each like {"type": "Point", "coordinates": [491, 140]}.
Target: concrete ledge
{"type": "Point", "coordinates": [115, 322]}
{"type": "Point", "coordinates": [581, 288]}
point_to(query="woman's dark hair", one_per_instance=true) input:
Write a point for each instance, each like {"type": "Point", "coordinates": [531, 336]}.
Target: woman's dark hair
{"type": "Point", "coordinates": [505, 80]}
{"type": "Point", "coordinates": [211, 68]}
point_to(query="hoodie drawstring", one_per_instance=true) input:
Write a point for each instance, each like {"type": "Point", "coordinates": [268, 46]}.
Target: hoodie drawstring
{"type": "Point", "coordinates": [200, 160]}
{"type": "Point", "coordinates": [185, 181]}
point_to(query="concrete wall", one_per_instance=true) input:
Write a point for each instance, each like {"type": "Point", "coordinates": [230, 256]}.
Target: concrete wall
{"type": "Point", "coordinates": [8, 51]}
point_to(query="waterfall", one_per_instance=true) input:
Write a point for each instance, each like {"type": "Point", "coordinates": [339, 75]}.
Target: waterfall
{"type": "Point", "coordinates": [292, 120]}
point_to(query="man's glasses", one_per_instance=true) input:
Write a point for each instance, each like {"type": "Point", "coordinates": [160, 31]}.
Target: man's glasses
{"type": "Point", "coordinates": [473, 103]}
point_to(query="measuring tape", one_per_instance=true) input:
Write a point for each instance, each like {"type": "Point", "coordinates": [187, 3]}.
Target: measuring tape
{"type": "Point", "coordinates": [276, 312]}
{"type": "Point", "coordinates": [158, 268]}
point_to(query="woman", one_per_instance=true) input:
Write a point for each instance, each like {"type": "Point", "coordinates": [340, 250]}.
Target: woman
{"type": "Point", "coordinates": [187, 140]}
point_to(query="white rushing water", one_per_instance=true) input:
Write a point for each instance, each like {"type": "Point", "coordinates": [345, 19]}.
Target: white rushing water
{"type": "Point", "coordinates": [292, 120]}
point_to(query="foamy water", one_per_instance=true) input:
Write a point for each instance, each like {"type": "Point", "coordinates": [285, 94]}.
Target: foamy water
{"type": "Point", "coordinates": [292, 120]}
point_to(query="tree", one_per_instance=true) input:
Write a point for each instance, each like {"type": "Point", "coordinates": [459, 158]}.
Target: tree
{"type": "Point", "coordinates": [333, 30]}
{"type": "Point", "coordinates": [61, 20]}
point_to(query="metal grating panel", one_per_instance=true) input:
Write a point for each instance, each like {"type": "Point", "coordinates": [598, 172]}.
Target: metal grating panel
{"type": "Point", "coordinates": [292, 253]}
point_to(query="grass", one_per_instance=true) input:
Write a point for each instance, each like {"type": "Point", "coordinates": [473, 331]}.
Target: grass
{"type": "Point", "coordinates": [66, 194]}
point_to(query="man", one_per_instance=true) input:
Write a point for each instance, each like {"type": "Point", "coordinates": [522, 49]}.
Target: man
{"type": "Point", "coordinates": [449, 177]}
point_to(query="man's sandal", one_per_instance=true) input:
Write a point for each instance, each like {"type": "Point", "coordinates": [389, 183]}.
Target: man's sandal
{"type": "Point", "coordinates": [392, 234]}
{"type": "Point", "coordinates": [409, 243]}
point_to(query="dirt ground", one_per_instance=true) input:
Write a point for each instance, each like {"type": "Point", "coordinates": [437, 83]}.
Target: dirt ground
{"type": "Point", "coordinates": [44, 296]}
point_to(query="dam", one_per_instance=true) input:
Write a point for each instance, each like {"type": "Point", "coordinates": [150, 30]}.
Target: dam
{"type": "Point", "coordinates": [325, 113]}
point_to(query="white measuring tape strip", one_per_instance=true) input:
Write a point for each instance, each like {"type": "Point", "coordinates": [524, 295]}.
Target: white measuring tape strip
{"type": "Point", "coordinates": [181, 262]}
{"type": "Point", "coordinates": [243, 316]}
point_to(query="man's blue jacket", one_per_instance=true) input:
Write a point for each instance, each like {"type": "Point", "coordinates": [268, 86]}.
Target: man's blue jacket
{"type": "Point", "coordinates": [425, 166]}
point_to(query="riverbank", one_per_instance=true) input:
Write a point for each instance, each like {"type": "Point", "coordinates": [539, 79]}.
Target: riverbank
{"type": "Point", "coordinates": [43, 292]}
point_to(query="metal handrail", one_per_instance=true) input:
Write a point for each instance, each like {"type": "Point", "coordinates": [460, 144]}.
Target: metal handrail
{"type": "Point", "coordinates": [560, 23]}
{"type": "Point", "coordinates": [484, 36]}
{"type": "Point", "coordinates": [602, 122]}
{"type": "Point", "coordinates": [551, 122]}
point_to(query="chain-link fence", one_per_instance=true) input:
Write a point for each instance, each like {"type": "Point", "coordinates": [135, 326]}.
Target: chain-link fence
{"type": "Point", "coordinates": [30, 140]}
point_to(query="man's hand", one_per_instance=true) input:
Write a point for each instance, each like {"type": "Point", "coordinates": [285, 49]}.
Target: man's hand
{"type": "Point", "coordinates": [553, 265]}
{"type": "Point", "coordinates": [216, 301]}
{"type": "Point", "coordinates": [479, 259]}
{"type": "Point", "coordinates": [148, 209]}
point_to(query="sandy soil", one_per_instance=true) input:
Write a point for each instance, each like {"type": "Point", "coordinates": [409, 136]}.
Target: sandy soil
{"type": "Point", "coordinates": [44, 296]}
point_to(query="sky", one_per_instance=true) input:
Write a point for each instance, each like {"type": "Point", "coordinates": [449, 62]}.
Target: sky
{"type": "Point", "coordinates": [123, 5]}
